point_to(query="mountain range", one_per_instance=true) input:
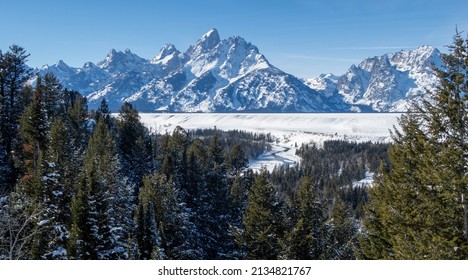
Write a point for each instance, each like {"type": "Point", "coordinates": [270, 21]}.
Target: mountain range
{"type": "Point", "coordinates": [231, 75]}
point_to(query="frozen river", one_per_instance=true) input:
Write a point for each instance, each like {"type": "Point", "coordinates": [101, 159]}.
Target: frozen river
{"type": "Point", "coordinates": [289, 130]}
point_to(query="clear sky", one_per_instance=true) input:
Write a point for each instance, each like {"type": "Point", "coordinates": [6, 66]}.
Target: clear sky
{"type": "Point", "coordinates": [301, 37]}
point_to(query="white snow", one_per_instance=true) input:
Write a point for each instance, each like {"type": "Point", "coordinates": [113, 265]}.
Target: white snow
{"type": "Point", "coordinates": [367, 181]}
{"type": "Point", "coordinates": [43, 222]}
{"type": "Point", "coordinates": [290, 131]}
{"type": "Point", "coordinates": [59, 252]}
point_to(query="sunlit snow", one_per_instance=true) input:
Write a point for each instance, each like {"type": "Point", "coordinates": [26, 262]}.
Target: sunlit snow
{"type": "Point", "coordinates": [290, 131]}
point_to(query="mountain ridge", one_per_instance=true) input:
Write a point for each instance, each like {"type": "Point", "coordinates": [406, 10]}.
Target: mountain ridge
{"type": "Point", "coordinates": [231, 75]}
{"type": "Point", "coordinates": [386, 83]}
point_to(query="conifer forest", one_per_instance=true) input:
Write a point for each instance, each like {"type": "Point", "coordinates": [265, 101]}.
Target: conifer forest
{"type": "Point", "coordinates": [87, 184]}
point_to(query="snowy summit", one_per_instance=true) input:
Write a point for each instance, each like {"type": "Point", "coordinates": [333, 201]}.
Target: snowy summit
{"type": "Point", "coordinates": [231, 75]}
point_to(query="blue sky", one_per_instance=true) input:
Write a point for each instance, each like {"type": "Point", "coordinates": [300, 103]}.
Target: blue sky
{"type": "Point", "coordinates": [304, 38]}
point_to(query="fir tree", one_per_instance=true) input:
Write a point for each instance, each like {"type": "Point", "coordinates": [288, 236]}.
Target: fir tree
{"type": "Point", "coordinates": [262, 221]}
{"type": "Point", "coordinates": [98, 215]}
{"type": "Point", "coordinates": [215, 227]}
{"type": "Point", "coordinates": [104, 112]}
{"type": "Point", "coordinates": [418, 208]}
{"type": "Point", "coordinates": [131, 145]}
{"type": "Point", "coordinates": [343, 232]}
{"type": "Point", "coordinates": [179, 237]}
{"type": "Point", "coordinates": [308, 239]}
{"type": "Point", "coordinates": [147, 233]}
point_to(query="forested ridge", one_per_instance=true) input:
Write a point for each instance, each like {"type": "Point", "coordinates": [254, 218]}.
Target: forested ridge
{"type": "Point", "coordinates": [80, 184]}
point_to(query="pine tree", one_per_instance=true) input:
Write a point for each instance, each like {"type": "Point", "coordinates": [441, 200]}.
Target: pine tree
{"type": "Point", "coordinates": [343, 232]}
{"type": "Point", "coordinates": [179, 236]}
{"type": "Point", "coordinates": [58, 190]}
{"type": "Point", "coordinates": [104, 112]}
{"type": "Point", "coordinates": [262, 221]}
{"type": "Point", "coordinates": [236, 160]}
{"type": "Point", "coordinates": [147, 233]}
{"type": "Point", "coordinates": [131, 145]}
{"type": "Point", "coordinates": [13, 74]}
{"type": "Point", "coordinates": [99, 212]}
{"type": "Point", "coordinates": [418, 208]}
{"type": "Point", "coordinates": [215, 226]}
{"type": "Point", "coordinates": [34, 128]}
{"type": "Point", "coordinates": [308, 239]}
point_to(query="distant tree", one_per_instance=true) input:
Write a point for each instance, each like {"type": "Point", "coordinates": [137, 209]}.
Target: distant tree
{"type": "Point", "coordinates": [236, 160]}
{"type": "Point", "coordinates": [104, 112]}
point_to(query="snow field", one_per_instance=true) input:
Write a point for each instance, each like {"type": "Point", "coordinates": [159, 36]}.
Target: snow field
{"type": "Point", "coordinates": [289, 130]}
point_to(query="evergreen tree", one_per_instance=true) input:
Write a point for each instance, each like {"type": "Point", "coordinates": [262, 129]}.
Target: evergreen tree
{"type": "Point", "coordinates": [215, 226]}
{"type": "Point", "coordinates": [76, 123]}
{"type": "Point", "coordinates": [418, 208]}
{"type": "Point", "coordinates": [53, 95]}
{"type": "Point", "coordinates": [57, 191]}
{"type": "Point", "coordinates": [104, 112]}
{"type": "Point", "coordinates": [147, 234]}
{"type": "Point", "coordinates": [131, 144]}
{"type": "Point", "coordinates": [13, 74]}
{"type": "Point", "coordinates": [309, 237]}
{"type": "Point", "coordinates": [262, 221]}
{"type": "Point", "coordinates": [179, 237]}
{"type": "Point", "coordinates": [236, 160]}
{"type": "Point", "coordinates": [343, 232]}
{"type": "Point", "coordinates": [99, 212]}
{"type": "Point", "coordinates": [34, 128]}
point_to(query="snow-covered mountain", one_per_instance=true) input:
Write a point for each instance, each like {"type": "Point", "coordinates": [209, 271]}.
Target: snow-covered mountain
{"type": "Point", "coordinates": [387, 83]}
{"type": "Point", "coordinates": [230, 75]}
{"type": "Point", "coordinates": [213, 75]}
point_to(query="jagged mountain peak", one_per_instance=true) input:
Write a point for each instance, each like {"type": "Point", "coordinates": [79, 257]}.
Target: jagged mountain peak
{"type": "Point", "coordinates": [121, 61]}
{"type": "Point", "coordinates": [389, 82]}
{"type": "Point", "coordinates": [206, 43]}
{"type": "Point", "coordinates": [211, 36]}
{"type": "Point", "coordinates": [230, 75]}
{"type": "Point", "coordinates": [60, 63]}
{"type": "Point", "coordinates": [89, 65]}
{"type": "Point", "coordinates": [164, 54]}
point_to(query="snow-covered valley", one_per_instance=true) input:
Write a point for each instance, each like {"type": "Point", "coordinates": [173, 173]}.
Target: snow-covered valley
{"type": "Point", "coordinates": [289, 130]}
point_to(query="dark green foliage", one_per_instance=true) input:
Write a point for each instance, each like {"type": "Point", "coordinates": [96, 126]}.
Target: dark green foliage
{"type": "Point", "coordinates": [343, 232]}
{"type": "Point", "coordinates": [262, 221]}
{"type": "Point", "coordinates": [418, 209]}
{"type": "Point", "coordinates": [96, 230]}
{"type": "Point", "coordinates": [131, 144]}
{"type": "Point", "coordinates": [236, 160]}
{"type": "Point", "coordinates": [148, 238]}
{"type": "Point", "coordinates": [179, 238]}
{"type": "Point", "coordinates": [309, 235]}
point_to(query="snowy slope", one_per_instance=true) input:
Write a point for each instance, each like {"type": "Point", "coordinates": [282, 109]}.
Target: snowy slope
{"type": "Point", "coordinates": [213, 75]}
{"type": "Point", "coordinates": [231, 75]}
{"type": "Point", "coordinates": [387, 83]}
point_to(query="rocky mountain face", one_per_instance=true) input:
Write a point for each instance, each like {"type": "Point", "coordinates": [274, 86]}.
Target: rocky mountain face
{"type": "Point", "coordinates": [213, 75]}
{"type": "Point", "coordinates": [231, 75]}
{"type": "Point", "coordinates": [387, 83]}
